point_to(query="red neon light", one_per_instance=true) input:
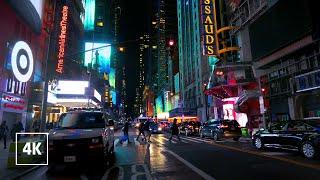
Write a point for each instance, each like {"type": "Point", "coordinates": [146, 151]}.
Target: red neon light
{"type": "Point", "coordinates": [62, 39]}
{"type": "Point", "coordinates": [11, 106]}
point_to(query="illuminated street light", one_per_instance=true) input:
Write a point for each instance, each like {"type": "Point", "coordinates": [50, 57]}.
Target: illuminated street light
{"type": "Point", "coordinates": [121, 49]}
{"type": "Point", "coordinates": [171, 42]}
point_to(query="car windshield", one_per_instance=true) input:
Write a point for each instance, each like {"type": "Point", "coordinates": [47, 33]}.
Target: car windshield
{"type": "Point", "coordinates": [314, 123]}
{"type": "Point", "coordinates": [81, 121]}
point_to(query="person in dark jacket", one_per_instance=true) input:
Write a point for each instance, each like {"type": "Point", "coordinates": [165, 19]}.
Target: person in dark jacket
{"type": "Point", "coordinates": [141, 131]}
{"type": "Point", "coordinates": [125, 132]}
{"type": "Point", "coordinates": [4, 130]}
{"type": "Point", "coordinates": [174, 130]}
{"type": "Point", "coordinates": [147, 129]}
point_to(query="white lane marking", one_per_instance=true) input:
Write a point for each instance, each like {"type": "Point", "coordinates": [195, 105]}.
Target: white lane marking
{"type": "Point", "coordinates": [195, 169]}
{"type": "Point", "coordinates": [192, 140]}
{"type": "Point", "coordinates": [83, 177]}
{"type": "Point", "coordinates": [199, 139]}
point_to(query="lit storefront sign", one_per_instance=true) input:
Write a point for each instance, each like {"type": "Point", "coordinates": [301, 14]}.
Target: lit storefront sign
{"type": "Point", "coordinates": [209, 29]}
{"type": "Point", "coordinates": [22, 61]}
{"type": "Point", "coordinates": [62, 39]}
{"type": "Point", "coordinates": [12, 103]}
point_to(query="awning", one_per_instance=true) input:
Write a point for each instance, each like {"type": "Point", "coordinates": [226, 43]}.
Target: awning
{"type": "Point", "coordinates": [244, 96]}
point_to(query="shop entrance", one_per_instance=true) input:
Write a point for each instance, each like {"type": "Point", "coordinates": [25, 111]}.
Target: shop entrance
{"type": "Point", "coordinates": [11, 118]}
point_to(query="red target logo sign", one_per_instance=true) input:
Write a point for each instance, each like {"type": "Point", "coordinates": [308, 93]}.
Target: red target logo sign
{"type": "Point", "coordinates": [22, 61]}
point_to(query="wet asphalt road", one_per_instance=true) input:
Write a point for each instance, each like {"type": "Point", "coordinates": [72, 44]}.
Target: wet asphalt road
{"type": "Point", "coordinates": [191, 158]}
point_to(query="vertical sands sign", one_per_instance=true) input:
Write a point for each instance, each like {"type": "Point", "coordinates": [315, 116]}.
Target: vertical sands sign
{"type": "Point", "coordinates": [208, 27]}
{"type": "Point", "coordinates": [62, 39]}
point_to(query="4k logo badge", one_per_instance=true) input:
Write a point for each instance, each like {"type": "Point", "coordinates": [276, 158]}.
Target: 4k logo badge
{"type": "Point", "coordinates": [32, 149]}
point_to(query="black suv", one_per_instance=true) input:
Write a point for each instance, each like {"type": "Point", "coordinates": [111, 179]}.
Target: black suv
{"type": "Point", "coordinates": [82, 137]}
{"type": "Point", "coordinates": [298, 135]}
{"type": "Point", "coordinates": [218, 129]}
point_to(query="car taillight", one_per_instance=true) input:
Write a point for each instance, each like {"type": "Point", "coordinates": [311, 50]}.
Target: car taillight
{"type": "Point", "coordinates": [223, 126]}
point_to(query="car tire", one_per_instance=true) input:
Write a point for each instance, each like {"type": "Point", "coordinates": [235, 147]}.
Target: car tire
{"type": "Point", "coordinates": [215, 136]}
{"type": "Point", "coordinates": [236, 138]}
{"type": "Point", "coordinates": [258, 143]}
{"type": "Point", "coordinates": [308, 150]}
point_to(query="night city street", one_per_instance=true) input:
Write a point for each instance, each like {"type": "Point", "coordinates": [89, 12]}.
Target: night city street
{"type": "Point", "coordinates": [192, 158]}
{"type": "Point", "coordinates": [159, 90]}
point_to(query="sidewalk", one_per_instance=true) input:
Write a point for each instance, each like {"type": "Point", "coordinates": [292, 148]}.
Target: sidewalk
{"type": "Point", "coordinates": [14, 172]}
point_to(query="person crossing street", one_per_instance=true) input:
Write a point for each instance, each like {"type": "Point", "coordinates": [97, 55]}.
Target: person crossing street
{"type": "Point", "coordinates": [174, 130]}
{"type": "Point", "coordinates": [125, 133]}
{"type": "Point", "coordinates": [141, 131]}
{"type": "Point", "coordinates": [147, 129]}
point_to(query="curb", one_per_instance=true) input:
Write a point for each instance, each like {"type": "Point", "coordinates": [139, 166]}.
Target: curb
{"type": "Point", "coordinates": [25, 172]}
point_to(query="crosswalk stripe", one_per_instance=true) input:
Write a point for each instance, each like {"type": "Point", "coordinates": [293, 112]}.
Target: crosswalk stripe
{"type": "Point", "coordinates": [154, 139]}
{"type": "Point", "coordinates": [172, 141]}
{"type": "Point", "coordinates": [190, 140]}
{"type": "Point", "coordinates": [197, 139]}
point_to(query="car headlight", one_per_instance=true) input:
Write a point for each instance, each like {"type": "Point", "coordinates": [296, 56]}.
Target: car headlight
{"type": "Point", "coordinates": [95, 140]}
{"type": "Point", "coordinates": [159, 128]}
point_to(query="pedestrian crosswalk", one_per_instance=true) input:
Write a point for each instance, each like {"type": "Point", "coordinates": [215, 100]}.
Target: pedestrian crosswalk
{"type": "Point", "coordinates": [163, 139]}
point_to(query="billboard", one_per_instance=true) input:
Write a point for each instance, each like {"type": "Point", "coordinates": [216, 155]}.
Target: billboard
{"type": "Point", "coordinates": [159, 105]}
{"type": "Point", "coordinates": [112, 78]}
{"type": "Point", "coordinates": [208, 27]}
{"type": "Point", "coordinates": [103, 55]}
{"type": "Point", "coordinates": [89, 7]}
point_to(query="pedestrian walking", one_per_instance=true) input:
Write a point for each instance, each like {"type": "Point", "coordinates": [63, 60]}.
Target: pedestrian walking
{"type": "Point", "coordinates": [174, 130]}
{"type": "Point", "coordinates": [17, 127]}
{"type": "Point", "coordinates": [125, 130]}
{"type": "Point", "coordinates": [4, 130]}
{"type": "Point", "coordinates": [141, 131]}
{"type": "Point", "coordinates": [147, 129]}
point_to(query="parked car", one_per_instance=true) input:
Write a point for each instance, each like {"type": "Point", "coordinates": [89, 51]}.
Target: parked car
{"type": "Point", "coordinates": [189, 128]}
{"type": "Point", "coordinates": [82, 137]}
{"type": "Point", "coordinates": [297, 135]}
{"type": "Point", "coordinates": [218, 129]}
{"type": "Point", "coordinates": [155, 127]}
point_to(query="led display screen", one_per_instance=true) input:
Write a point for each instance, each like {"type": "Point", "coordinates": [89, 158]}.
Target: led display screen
{"type": "Point", "coordinates": [159, 105]}
{"type": "Point", "coordinates": [112, 78]}
{"type": "Point", "coordinates": [89, 14]}
{"type": "Point", "coordinates": [103, 56]}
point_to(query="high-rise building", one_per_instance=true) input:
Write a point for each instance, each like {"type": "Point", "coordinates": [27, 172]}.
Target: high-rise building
{"type": "Point", "coordinates": [193, 65]}
{"type": "Point", "coordinates": [143, 57]}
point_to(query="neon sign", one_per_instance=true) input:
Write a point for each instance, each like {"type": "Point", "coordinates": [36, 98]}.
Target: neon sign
{"type": "Point", "coordinates": [209, 31]}
{"type": "Point", "coordinates": [62, 39]}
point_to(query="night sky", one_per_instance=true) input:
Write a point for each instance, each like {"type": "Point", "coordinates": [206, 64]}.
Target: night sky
{"type": "Point", "coordinates": [132, 25]}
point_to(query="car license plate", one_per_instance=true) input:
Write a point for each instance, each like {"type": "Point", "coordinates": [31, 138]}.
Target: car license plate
{"type": "Point", "coordinates": [69, 158]}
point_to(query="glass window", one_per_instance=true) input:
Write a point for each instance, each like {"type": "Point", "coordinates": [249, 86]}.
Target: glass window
{"type": "Point", "coordinates": [296, 126]}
